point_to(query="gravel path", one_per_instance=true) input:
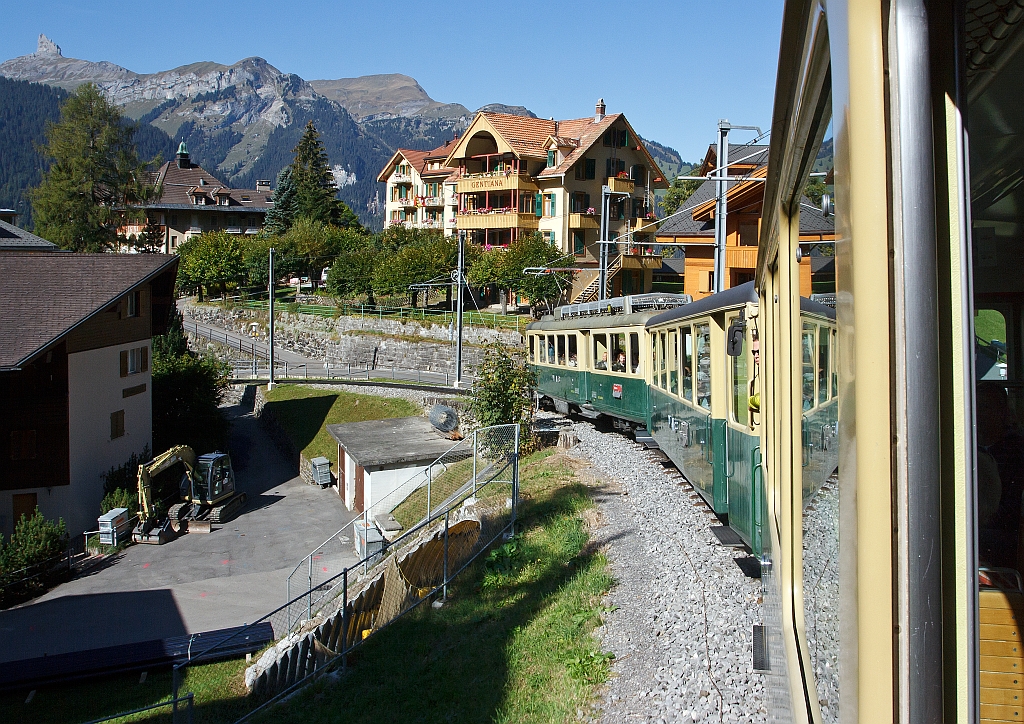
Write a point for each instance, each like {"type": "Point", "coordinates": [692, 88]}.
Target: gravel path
{"type": "Point", "coordinates": [683, 612]}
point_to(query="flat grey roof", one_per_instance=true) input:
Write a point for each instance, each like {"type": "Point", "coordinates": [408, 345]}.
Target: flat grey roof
{"type": "Point", "coordinates": [389, 442]}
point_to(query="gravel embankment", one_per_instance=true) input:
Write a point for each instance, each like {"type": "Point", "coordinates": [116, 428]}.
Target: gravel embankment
{"type": "Point", "coordinates": [682, 611]}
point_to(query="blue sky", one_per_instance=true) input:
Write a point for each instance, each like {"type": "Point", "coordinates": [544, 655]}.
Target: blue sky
{"type": "Point", "coordinates": [674, 68]}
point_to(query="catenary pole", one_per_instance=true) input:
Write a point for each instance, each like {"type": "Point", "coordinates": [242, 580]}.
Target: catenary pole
{"type": "Point", "coordinates": [460, 281]}
{"type": "Point", "coordinates": [721, 185]}
{"type": "Point", "coordinates": [270, 287]}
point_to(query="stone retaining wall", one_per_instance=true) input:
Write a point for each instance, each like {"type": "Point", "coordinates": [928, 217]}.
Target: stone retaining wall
{"type": "Point", "coordinates": [379, 343]}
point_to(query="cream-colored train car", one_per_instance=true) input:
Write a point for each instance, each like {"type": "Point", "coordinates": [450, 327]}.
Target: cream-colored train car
{"type": "Point", "coordinates": [902, 601]}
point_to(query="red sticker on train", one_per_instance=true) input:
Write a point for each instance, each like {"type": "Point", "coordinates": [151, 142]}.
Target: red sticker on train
{"type": "Point", "coordinates": [617, 391]}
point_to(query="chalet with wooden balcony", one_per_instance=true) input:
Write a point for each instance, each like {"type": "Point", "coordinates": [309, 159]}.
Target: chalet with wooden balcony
{"type": "Point", "coordinates": [420, 192]}
{"type": "Point", "coordinates": [191, 200]}
{"type": "Point", "coordinates": [519, 175]}
{"type": "Point", "coordinates": [694, 226]}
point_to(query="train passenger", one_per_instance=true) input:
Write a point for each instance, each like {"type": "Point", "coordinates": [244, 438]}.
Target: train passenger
{"type": "Point", "coordinates": [635, 363]}
{"type": "Point", "coordinates": [754, 397]}
{"type": "Point", "coordinates": [619, 365]}
{"type": "Point", "coordinates": [602, 363]}
{"type": "Point", "coordinates": [999, 442]}
{"type": "Point", "coordinates": [572, 361]}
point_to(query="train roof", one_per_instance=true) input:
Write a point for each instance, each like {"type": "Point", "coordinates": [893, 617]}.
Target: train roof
{"type": "Point", "coordinates": [731, 299]}
{"type": "Point", "coordinates": [637, 319]}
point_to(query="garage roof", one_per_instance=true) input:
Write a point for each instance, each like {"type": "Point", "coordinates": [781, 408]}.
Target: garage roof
{"type": "Point", "coordinates": [377, 443]}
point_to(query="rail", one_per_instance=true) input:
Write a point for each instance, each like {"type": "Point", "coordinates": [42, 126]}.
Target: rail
{"type": "Point", "coordinates": [188, 699]}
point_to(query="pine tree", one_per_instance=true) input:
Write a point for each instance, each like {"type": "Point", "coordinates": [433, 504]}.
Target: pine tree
{"type": "Point", "coordinates": [315, 190]}
{"type": "Point", "coordinates": [95, 176]}
{"type": "Point", "coordinates": [282, 216]}
{"type": "Point", "coordinates": [314, 183]}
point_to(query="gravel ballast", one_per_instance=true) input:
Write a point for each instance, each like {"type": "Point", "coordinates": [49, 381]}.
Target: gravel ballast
{"type": "Point", "coordinates": [682, 612]}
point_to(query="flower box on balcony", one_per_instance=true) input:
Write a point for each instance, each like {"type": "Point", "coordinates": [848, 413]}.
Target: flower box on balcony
{"type": "Point", "coordinates": [620, 185]}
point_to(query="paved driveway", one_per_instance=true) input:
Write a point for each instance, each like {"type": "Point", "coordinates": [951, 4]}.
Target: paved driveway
{"type": "Point", "coordinates": [198, 582]}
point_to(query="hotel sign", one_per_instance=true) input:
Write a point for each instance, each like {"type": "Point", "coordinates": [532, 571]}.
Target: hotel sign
{"type": "Point", "coordinates": [498, 182]}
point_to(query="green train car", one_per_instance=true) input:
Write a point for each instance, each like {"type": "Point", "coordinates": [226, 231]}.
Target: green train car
{"type": "Point", "coordinates": [666, 365]}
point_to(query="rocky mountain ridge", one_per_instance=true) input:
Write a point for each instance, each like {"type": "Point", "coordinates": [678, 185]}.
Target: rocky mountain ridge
{"type": "Point", "coordinates": [241, 121]}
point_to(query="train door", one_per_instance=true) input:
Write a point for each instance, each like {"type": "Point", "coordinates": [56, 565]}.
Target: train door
{"type": "Point", "coordinates": [742, 442]}
{"type": "Point", "coordinates": [695, 411]}
{"type": "Point", "coordinates": [994, 58]}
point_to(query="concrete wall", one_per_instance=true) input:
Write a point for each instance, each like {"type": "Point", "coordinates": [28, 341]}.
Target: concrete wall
{"type": "Point", "coordinates": [387, 487]}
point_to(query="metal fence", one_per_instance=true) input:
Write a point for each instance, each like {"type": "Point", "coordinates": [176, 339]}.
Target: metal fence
{"type": "Point", "coordinates": [363, 311]}
{"type": "Point", "coordinates": [255, 366]}
{"type": "Point", "coordinates": [467, 501]}
{"type": "Point", "coordinates": [480, 459]}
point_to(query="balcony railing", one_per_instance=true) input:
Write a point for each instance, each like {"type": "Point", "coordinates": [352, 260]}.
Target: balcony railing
{"type": "Point", "coordinates": [433, 201]}
{"type": "Point", "coordinates": [499, 219]}
{"type": "Point", "coordinates": [250, 230]}
{"type": "Point", "coordinates": [233, 229]}
{"type": "Point", "coordinates": [401, 178]}
{"type": "Point", "coordinates": [584, 221]}
{"type": "Point", "coordinates": [620, 185]}
{"type": "Point", "coordinates": [407, 201]}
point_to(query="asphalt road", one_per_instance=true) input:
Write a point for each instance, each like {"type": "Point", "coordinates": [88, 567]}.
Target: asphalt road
{"type": "Point", "coordinates": [199, 582]}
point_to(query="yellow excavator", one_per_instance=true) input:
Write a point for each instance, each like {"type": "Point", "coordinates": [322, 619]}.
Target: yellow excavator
{"type": "Point", "coordinates": [207, 489]}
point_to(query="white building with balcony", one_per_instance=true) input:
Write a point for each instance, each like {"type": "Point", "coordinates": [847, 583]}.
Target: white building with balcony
{"type": "Point", "coordinates": [420, 190]}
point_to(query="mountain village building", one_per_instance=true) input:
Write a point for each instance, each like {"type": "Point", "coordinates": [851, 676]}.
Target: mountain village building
{"type": "Point", "coordinates": [75, 351]}
{"type": "Point", "coordinates": [420, 191]}
{"type": "Point", "coordinates": [191, 200]}
{"type": "Point", "coordinates": [694, 227]}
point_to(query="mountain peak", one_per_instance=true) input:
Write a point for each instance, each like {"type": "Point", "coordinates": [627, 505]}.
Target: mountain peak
{"type": "Point", "coordinates": [45, 46]}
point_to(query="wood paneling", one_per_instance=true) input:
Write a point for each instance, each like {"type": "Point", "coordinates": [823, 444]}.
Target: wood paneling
{"type": "Point", "coordinates": [112, 326]}
{"type": "Point", "coordinates": [36, 398]}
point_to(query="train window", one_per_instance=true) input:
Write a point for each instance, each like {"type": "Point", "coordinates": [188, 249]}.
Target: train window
{"type": "Point", "coordinates": [533, 347]}
{"type": "Point", "coordinates": [654, 358]}
{"type": "Point", "coordinates": [634, 353]}
{"type": "Point", "coordinates": [823, 363]}
{"type": "Point", "coordinates": [561, 349]}
{"type": "Point", "coordinates": [990, 344]}
{"type": "Point", "coordinates": [573, 359]}
{"type": "Point", "coordinates": [673, 362]}
{"type": "Point", "coordinates": [702, 334]}
{"type": "Point", "coordinates": [600, 351]}
{"type": "Point", "coordinates": [661, 372]}
{"type": "Point", "coordinates": [807, 347]}
{"type": "Point", "coordinates": [551, 349]}
{"type": "Point", "coordinates": [687, 363]}
{"type": "Point", "coordinates": [618, 351]}
{"type": "Point", "coordinates": [740, 402]}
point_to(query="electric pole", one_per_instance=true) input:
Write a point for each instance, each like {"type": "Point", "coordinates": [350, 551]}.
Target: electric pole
{"type": "Point", "coordinates": [460, 281]}
{"type": "Point", "coordinates": [721, 205]}
{"type": "Point", "coordinates": [270, 287]}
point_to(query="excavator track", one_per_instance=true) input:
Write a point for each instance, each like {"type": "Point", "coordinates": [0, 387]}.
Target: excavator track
{"type": "Point", "coordinates": [227, 511]}
{"type": "Point", "coordinates": [178, 511]}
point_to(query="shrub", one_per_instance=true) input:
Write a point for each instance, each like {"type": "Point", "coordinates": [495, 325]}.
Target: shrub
{"type": "Point", "coordinates": [126, 476]}
{"type": "Point", "coordinates": [120, 498]}
{"type": "Point", "coordinates": [35, 540]}
{"type": "Point", "coordinates": [503, 393]}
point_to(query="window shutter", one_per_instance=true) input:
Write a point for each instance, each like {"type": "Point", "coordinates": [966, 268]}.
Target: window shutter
{"type": "Point", "coordinates": [145, 359]}
{"type": "Point", "coordinates": [538, 205]}
{"type": "Point", "coordinates": [608, 167]}
{"type": "Point", "coordinates": [625, 139]}
{"type": "Point", "coordinates": [553, 204]}
{"type": "Point", "coordinates": [551, 158]}
{"type": "Point", "coordinates": [124, 363]}
{"type": "Point", "coordinates": [591, 168]}
{"type": "Point", "coordinates": [586, 201]}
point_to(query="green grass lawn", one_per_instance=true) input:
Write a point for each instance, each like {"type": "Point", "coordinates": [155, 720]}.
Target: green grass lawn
{"type": "Point", "coordinates": [989, 324]}
{"type": "Point", "coordinates": [304, 412]}
{"type": "Point", "coordinates": [513, 644]}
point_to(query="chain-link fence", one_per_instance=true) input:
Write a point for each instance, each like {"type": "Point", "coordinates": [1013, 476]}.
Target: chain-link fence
{"type": "Point", "coordinates": [409, 546]}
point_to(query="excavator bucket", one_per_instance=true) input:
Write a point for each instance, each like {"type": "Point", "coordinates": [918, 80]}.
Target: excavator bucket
{"type": "Point", "coordinates": [156, 535]}
{"type": "Point", "coordinates": [199, 526]}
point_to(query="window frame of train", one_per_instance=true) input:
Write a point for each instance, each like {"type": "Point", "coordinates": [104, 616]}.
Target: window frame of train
{"type": "Point", "coordinates": [895, 78]}
{"type": "Point", "coordinates": [626, 340]}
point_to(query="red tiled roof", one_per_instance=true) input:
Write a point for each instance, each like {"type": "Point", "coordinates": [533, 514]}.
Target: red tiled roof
{"type": "Point", "coordinates": [525, 135]}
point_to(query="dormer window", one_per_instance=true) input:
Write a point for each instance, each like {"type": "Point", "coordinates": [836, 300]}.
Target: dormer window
{"type": "Point", "coordinates": [202, 182]}
{"type": "Point", "coordinates": [552, 156]}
